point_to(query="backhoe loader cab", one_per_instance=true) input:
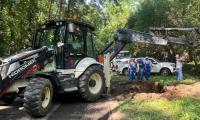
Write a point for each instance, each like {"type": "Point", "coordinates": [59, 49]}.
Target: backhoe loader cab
{"type": "Point", "coordinates": [72, 41]}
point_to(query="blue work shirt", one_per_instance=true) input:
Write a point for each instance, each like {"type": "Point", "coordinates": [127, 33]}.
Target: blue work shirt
{"type": "Point", "coordinates": [141, 64]}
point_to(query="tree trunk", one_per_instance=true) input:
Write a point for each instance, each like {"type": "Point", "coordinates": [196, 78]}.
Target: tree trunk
{"type": "Point", "coordinates": [31, 18]}
{"type": "Point", "coordinates": [1, 20]}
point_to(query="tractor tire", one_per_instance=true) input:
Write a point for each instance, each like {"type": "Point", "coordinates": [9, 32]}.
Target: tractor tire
{"type": "Point", "coordinates": [7, 99]}
{"type": "Point", "coordinates": [92, 83]}
{"type": "Point", "coordinates": [37, 97]}
{"type": "Point", "coordinates": [165, 72]}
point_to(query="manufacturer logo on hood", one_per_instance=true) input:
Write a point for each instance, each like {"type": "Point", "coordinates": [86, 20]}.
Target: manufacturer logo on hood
{"type": "Point", "coordinates": [22, 68]}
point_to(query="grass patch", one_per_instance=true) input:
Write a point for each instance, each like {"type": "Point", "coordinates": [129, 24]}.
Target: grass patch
{"type": "Point", "coordinates": [177, 109]}
{"type": "Point", "coordinates": [169, 80]}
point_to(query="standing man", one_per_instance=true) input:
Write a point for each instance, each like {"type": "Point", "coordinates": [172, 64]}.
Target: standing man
{"type": "Point", "coordinates": [148, 66]}
{"type": "Point", "coordinates": [179, 65]}
{"type": "Point", "coordinates": [141, 66]}
{"type": "Point", "coordinates": [132, 69]}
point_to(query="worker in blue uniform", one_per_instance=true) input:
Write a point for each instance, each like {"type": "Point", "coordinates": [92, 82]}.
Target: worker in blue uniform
{"type": "Point", "coordinates": [132, 69]}
{"type": "Point", "coordinates": [141, 66]}
{"type": "Point", "coordinates": [148, 66]}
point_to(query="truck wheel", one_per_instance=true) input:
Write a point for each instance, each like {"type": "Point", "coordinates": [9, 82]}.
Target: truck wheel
{"type": "Point", "coordinates": [37, 97]}
{"type": "Point", "coordinates": [125, 71]}
{"type": "Point", "coordinates": [7, 99]}
{"type": "Point", "coordinates": [92, 83]}
{"type": "Point", "coordinates": [165, 72]}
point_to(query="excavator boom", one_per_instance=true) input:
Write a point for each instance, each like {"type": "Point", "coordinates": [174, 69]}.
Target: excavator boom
{"type": "Point", "coordinates": [127, 36]}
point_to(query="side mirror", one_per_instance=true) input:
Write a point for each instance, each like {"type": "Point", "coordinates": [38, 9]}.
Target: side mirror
{"type": "Point", "coordinates": [71, 27]}
{"type": "Point", "coordinates": [60, 44]}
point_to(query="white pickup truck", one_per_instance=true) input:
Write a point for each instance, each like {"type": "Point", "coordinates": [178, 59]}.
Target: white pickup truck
{"type": "Point", "coordinates": [163, 68]}
{"type": "Point", "coordinates": [123, 55]}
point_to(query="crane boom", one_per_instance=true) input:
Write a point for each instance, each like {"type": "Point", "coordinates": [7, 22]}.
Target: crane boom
{"type": "Point", "coordinates": [127, 36]}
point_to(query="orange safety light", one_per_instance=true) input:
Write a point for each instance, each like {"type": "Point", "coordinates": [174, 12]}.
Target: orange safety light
{"type": "Point", "coordinates": [74, 17]}
{"type": "Point", "coordinates": [100, 58]}
{"type": "Point", "coordinates": [71, 61]}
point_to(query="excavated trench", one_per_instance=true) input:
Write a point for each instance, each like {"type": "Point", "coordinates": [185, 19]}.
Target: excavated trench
{"type": "Point", "coordinates": [127, 90]}
{"type": "Point", "coordinates": [153, 90]}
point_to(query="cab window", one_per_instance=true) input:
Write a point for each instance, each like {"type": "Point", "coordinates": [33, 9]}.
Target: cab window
{"type": "Point", "coordinates": [90, 45]}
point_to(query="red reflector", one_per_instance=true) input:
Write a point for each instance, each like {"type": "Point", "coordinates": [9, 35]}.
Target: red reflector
{"type": "Point", "coordinates": [71, 61]}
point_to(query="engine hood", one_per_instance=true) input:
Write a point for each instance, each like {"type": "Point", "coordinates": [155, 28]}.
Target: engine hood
{"type": "Point", "coordinates": [7, 59]}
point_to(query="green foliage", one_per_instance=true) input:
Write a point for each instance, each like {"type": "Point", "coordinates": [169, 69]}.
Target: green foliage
{"type": "Point", "coordinates": [116, 17]}
{"type": "Point", "coordinates": [20, 19]}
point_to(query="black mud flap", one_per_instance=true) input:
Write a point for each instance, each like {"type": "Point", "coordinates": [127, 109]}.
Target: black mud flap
{"type": "Point", "coordinates": [1, 84]}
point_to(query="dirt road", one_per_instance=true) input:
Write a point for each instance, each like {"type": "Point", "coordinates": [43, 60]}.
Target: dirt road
{"type": "Point", "coordinates": [66, 110]}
